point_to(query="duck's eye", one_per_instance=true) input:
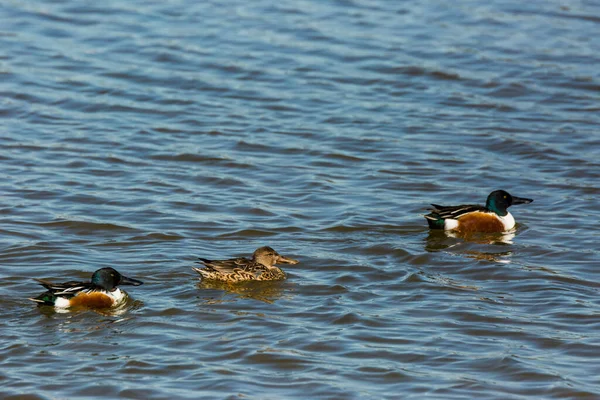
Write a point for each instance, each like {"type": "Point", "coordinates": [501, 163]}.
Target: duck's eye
{"type": "Point", "coordinates": [504, 196]}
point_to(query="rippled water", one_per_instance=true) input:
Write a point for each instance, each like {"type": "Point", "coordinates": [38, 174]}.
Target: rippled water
{"type": "Point", "coordinates": [143, 134]}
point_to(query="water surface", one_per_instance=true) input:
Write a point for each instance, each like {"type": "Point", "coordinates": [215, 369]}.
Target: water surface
{"type": "Point", "coordinates": [141, 135]}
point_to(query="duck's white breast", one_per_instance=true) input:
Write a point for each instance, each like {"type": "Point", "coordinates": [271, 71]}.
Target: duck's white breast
{"type": "Point", "coordinates": [61, 302]}
{"type": "Point", "coordinates": [508, 220]}
{"type": "Point", "coordinates": [118, 295]}
{"type": "Point", "coordinates": [450, 224]}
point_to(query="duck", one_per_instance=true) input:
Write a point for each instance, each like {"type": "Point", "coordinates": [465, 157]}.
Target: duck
{"type": "Point", "coordinates": [261, 267]}
{"type": "Point", "coordinates": [493, 217]}
{"type": "Point", "coordinates": [101, 292]}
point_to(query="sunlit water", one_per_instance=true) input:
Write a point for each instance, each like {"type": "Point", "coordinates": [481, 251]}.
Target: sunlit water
{"type": "Point", "coordinates": [141, 135]}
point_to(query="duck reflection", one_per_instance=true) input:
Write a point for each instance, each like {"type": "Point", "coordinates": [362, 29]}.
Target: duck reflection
{"type": "Point", "coordinates": [266, 291]}
{"type": "Point", "coordinates": [462, 243]}
{"type": "Point", "coordinates": [117, 311]}
{"type": "Point", "coordinates": [111, 321]}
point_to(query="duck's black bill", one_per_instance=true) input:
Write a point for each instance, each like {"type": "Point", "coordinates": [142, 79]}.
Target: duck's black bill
{"type": "Point", "coordinates": [130, 281]}
{"type": "Point", "coordinates": [520, 200]}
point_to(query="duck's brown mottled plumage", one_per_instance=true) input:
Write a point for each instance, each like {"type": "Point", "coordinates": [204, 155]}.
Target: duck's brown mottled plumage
{"type": "Point", "coordinates": [261, 267]}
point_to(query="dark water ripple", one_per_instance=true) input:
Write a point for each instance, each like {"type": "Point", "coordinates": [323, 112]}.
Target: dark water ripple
{"type": "Point", "coordinates": [141, 135]}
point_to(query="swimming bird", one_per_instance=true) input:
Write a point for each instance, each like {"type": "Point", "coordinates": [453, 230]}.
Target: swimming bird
{"type": "Point", "coordinates": [100, 292]}
{"type": "Point", "coordinates": [260, 268]}
{"type": "Point", "coordinates": [494, 217]}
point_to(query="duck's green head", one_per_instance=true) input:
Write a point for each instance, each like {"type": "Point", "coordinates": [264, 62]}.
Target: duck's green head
{"type": "Point", "coordinates": [499, 200]}
{"type": "Point", "coordinates": [110, 278]}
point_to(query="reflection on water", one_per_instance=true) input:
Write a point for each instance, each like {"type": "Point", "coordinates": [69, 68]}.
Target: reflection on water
{"type": "Point", "coordinates": [499, 257]}
{"type": "Point", "coordinates": [437, 238]}
{"type": "Point", "coordinates": [462, 243]}
{"type": "Point", "coordinates": [139, 134]}
{"type": "Point", "coordinates": [116, 311]}
{"type": "Point", "coordinates": [266, 291]}
{"type": "Point", "coordinates": [484, 238]}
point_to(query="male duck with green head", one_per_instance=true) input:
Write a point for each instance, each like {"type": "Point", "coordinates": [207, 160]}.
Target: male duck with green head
{"type": "Point", "coordinates": [494, 217]}
{"type": "Point", "coordinates": [101, 292]}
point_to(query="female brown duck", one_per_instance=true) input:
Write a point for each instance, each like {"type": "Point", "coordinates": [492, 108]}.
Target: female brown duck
{"type": "Point", "coordinates": [261, 267]}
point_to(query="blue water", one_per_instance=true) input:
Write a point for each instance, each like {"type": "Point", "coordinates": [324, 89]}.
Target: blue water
{"type": "Point", "coordinates": [141, 135]}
